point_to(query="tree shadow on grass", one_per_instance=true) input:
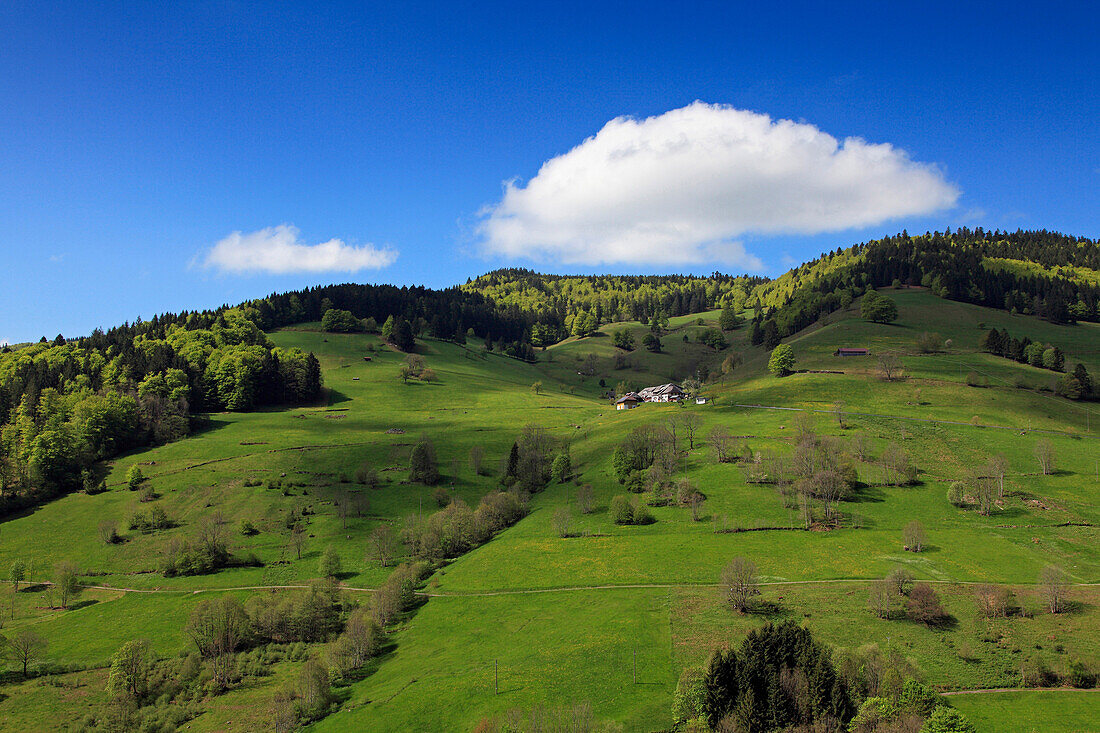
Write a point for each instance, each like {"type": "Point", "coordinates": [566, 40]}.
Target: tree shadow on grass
{"type": "Point", "coordinates": [386, 652]}
{"type": "Point", "coordinates": [201, 423]}
{"type": "Point", "coordinates": [1073, 607]}
{"type": "Point", "coordinates": [771, 610]}
{"type": "Point", "coordinates": [335, 397]}
{"type": "Point", "coordinates": [866, 493]}
{"type": "Point", "coordinates": [82, 604]}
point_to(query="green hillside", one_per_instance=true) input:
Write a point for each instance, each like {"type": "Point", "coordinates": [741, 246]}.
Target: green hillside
{"type": "Point", "coordinates": [531, 623]}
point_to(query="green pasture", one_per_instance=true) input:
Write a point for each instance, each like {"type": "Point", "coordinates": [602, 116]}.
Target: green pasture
{"type": "Point", "coordinates": [554, 646]}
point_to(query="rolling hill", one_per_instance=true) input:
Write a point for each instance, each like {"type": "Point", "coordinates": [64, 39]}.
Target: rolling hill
{"type": "Point", "coordinates": [565, 613]}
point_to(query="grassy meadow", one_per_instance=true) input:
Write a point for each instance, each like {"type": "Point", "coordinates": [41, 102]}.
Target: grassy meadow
{"type": "Point", "coordinates": [532, 619]}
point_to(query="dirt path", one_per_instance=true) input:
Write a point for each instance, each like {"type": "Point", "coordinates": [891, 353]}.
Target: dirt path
{"type": "Point", "coordinates": [535, 591]}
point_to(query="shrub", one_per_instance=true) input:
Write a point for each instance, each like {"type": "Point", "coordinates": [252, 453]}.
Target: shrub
{"type": "Point", "coordinates": [442, 498]}
{"type": "Point", "coordinates": [134, 477]}
{"type": "Point", "coordinates": [687, 703]}
{"type": "Point", "coordinates": [947, 720]}
{"type": "Point", "coordinates": [874, 713]}
{"type": "Point", "coordinates": [563, 520]}
{"type": "Point", "coordinates": [642, 515]}
{"type": "Point", "coordinates": [621, 511]}
{"type": "Point", "coordinates": [924, 605]}
{"type": "Point", "coordinates": [956, 493]}
{"type": "Point", "coordinates": [929, 343]}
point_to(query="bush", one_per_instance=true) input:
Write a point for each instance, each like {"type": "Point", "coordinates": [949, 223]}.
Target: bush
{"type": "Point", "coordinates": [150, 521]}
{"type": "Point", "coordinates": [134, 477]}
{"type": "Point", "coordinates": [442, 498]}
{"type": "Point", "coordinates": [956, 493]}
{"type": "Point", "coordinates": [924, 605]}
{"type": "Point", "coordinates": [687, 703]}
{"type": "Point", "coordinates": [248, 529]}
{"type": "Point", "coordinates": [642, 515]}
{"type": "Point", "coordinates": [621, 511]}
{"type": "Point", "coordinates": [929, 343]}
{"type": "Point", "coordinates": [947, 720]}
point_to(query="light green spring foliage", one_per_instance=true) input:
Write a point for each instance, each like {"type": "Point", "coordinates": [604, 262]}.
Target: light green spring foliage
{"type": "Point", "coordinates": [781, 362]}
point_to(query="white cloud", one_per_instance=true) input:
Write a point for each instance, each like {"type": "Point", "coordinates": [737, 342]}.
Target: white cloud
{"type": "Point", "coordinates": [278, 250]}
{"type": "Point", "coordinates": [681, 187]}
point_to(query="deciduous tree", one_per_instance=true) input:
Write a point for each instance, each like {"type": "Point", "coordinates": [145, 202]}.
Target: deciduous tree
{"type": "Point", "coordinates": [739, 584]}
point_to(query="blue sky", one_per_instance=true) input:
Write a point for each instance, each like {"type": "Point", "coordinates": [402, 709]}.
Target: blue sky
{"type": "Point", "coordinates": [137, 138]}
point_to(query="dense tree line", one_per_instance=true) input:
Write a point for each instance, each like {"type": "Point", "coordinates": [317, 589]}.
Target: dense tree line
{"type": "Point", "coordinates": [67, 405]}
{"type": "Point", "coordinates": [1077, 384]}
{"type": "Point", "coordinates": [1039, 273]}
{"type": "Point", "coordinates": [564, 305]}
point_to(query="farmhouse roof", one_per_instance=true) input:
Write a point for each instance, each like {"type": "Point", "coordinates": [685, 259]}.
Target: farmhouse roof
{"type": "Point", "coordinates": [661, 390]}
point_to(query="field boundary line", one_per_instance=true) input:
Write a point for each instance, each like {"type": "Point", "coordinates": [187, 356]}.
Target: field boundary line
{"type": "Point", "coordinates": [534, 591]}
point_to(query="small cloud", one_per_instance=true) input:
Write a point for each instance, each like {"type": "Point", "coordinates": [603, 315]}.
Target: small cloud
{"type": "Point", "coordinates": [57, 258]}
{"type": "Point", "coordinates": [682, 187]}
{"type": "Point", "coordinates": [789, 261]}
{"type": "Point", "coordinates": [279, 250]}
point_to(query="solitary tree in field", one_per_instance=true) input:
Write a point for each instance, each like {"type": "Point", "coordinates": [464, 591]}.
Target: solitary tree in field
{"type": "Point", "coordinates": [585, 498]}
{"type": "Point", "coordinates": [1044, 453]}
{"type": "Point", "coordinates": [781, 362]}
{"type": "Point", "coordinates": [536, 387]}
{"type": "Point", "coordinates": [998, 469]}
{"type": "Point", "coordinates": [329, 564]}
{"type": "Point", "coordinates": [878, 308]}
{"type": "Point", "coordinates": [881, 598]}
{"type": "Point", "coordinates": [25, 647]}
{"type": "Point", "coordinates": [298, 538]}
{"type": "Point", "coordinates": [721, 442]}
{"type": "Point", "coordinates": [17, 574]}
{"type": "Point", "coordinates": [66, 578]}
{"type": "Point", "coordinates": [739, 584]}
{"type": "Point", "coordinates": [914, 536]}
{"type": "Point", "coordinates": [477, 460]}
{"type": "Point", "coordinates": [889, 367]}
{"type": "Point", "coordinates": [690, 421]}
{"type": "Point", "coordinates": [563, 522]}
{"type": "Point", "coordinates": [1053, 585]}
{"type": "Point", "coordinates": [422, 464]}
{"type": "Point", "coordinates": [838, 412]}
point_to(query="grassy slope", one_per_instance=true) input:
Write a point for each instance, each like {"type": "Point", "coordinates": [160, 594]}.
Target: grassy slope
{"type": "Point", "coordinates": [1031, 711]}
{"type": "Point", "coordinates": [561, 647]}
